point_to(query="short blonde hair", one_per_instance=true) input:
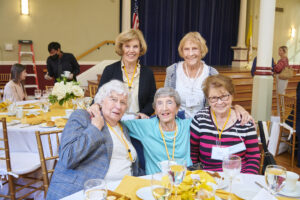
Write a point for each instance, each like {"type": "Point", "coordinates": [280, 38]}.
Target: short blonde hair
{"type": "Point", "coordinates": [196, 38]}
{"type": "Point", "coordinates": [128, 35]}
{"type": "Point", "coordinates": [218, 81]}
{"type": "Point", "coordinates": [284, 49]}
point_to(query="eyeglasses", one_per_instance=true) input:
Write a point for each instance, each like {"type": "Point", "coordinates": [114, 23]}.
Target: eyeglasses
{"type": "Point", "coordinates": [222, 98]}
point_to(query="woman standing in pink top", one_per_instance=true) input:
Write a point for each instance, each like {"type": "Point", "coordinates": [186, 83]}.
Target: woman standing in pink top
{"type": "Point", "coordinates": [281, 64]}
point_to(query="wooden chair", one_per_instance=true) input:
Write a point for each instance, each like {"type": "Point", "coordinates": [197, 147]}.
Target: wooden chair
{"type": "Point", "coordinates": [266, 125]}
{"type": "Point", "coordinates": [287, 134]}
{"type": "Point", "coordinates": [47, 87]}
{"type": "Point", "coordinates": [47, 165]}
{"type": "Point", "coordinates": [93, 90]}
{"type": "Point", "coordinates": [1, 91]}
{"type": "Point", "coordinates": [4, 78]}
{"type": "Point", "coordinates": [16, 165]}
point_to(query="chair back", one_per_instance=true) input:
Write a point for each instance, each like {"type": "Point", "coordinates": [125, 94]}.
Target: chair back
{"type": "Point", "coordinates": [287, 109]}
{"type": "Point", "coordinates": [4, 147]}
{"type": "Point", "coordinates": [93, 90]}
{"type": "Point", "coordinates": [4, 78]}
{"type": "Point", "coordinates": [266, 131]}
{"type": "Point", "coordinates": [48, 141]}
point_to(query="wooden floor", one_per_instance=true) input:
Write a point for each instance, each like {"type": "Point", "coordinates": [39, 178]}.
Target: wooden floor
{"type": "Point", "coordinates": [285, 161]}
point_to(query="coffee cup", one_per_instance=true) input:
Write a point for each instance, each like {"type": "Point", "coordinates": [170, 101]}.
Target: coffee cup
{"type": "Point", "coordinates": [67, 74]}
{"type": "Point", "coordinates": [291, 181]}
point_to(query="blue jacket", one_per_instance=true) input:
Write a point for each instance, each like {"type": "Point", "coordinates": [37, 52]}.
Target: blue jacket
{"type": "Point", "coordinates": [84, 153]}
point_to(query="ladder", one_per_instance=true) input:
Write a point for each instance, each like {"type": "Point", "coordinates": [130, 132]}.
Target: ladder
{"type": "Point", "coordinates": [32, 63]}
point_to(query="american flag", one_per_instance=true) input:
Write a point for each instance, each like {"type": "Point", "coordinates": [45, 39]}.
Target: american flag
{"type": "Point", "coordinates": [135, 16]}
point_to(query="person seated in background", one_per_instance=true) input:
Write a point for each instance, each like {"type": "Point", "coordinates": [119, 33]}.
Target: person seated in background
{"type": "Point", "coordinates": [130, 45]}
{"type": "Point", "coordinates": [96, 146]}
{"type": "Point", "coordinates": [217, 132]}
{"type": "Point", "coordinates": [187, 76]}
{"type": "Point", "coordinates": [164, 136]}
{"type": "Point", "coordinates": [60, 63]}
{"type": "Point", "coordinates": [14, 90]}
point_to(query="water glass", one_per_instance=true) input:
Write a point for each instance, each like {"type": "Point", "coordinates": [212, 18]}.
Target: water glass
{"type": "Point", "coordinates": [95, 189]}
{"type": "Point", "coordinates": [275, 177]}
{"type": "Point", "coordinates": [231, 167]}
{"type": "Point", "coordinates": [45, 94]}
{"type": "Point", "coordinates": [45, 105]}
{"type": "Point", "coordinates": [160, 190]}
{"type": "Point", "coordinates": [37, 93]}
{"type": "Point", "coordinates": [176, 172]}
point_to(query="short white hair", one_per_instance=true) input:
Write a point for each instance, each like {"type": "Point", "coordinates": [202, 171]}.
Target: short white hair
{"type": "Point", "coordinates": [109, 87]}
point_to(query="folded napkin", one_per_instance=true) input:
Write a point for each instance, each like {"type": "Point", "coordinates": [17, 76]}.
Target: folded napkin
{"type": "Point", "coordinates": [285, 198]}
{"type": "Point", "coordinates": [130, 184]}
{"type": "Point", "coordinates": [33, 120]}
{"type": "Point", "coordinates": [224, 195]}
{"type": "Point", "coordinates": [60, 122]}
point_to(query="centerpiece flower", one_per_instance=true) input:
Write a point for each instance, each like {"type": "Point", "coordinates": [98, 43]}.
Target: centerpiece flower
{"type": "Point", "coordinates": [64, 91]}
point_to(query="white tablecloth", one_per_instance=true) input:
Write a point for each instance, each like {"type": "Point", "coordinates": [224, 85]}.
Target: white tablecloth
{"type": "Point", "coordinates": [244, 183]}
{"type": "Point", "coordinates": [24, 139]}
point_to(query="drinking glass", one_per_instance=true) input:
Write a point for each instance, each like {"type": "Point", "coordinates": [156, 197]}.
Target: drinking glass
{"type": "Point", "coordinates": [95, 189]}
{"type": "Point", "coordinates": [45, 105]}
{"type": "Point", "coordinates": [176, 172]}
{"type": "Point", "coordinates": [231, 167]}
{"type": "Point", "coordinates": [45, 94]}
{"type": "Point", "coordinates": [275, 177]}
{"type": "Point", "coordinates": [37, 93]}
{"type": "Point", "coordinates": [160, 190]}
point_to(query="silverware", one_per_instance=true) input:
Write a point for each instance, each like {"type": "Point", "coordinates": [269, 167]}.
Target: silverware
{"type": "Point", "coordinates": [265, 188]}
{"type": "Point", "coordinates": [13, 124]}
{"type": "Point", "coordinates": [26, 126]}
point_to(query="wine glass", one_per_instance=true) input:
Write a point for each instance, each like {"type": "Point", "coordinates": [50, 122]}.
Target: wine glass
{"type": "Point", "coordinates": [37, 93]}
{"type": "Point", "coordinates": [176, 172]}
{"type": "Point", "coordinates": [231, 167]}
{"type": "Point", "coordinates": [95, 189]}
{"type": "Point", "coordinates": [275, 176]}
{"type": "Point", "coordinates": [45, 94]}
{"type": "Point", "coordinates": [160, 190]}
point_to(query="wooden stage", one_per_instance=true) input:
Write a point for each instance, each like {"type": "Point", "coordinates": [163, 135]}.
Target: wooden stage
{"type": "Point", "coordinates": [243, 84]}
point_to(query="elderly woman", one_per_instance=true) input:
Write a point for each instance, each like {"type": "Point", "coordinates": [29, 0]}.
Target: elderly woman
{"type": "Point", "coordinates": [216, 131]}
{"type": "Point", "coordinates": [130, 45]}
{"type": "Point", "coordinates": [187, 76]}
{"type": "Point", "coordinates": [95, 147]}
{"type": "Point", "coordinates": [14, 90]}
{"type": "Point", "coordinates": [163, 137]}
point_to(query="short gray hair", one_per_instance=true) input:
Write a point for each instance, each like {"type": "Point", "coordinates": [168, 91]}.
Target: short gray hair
{"type": "Point", "coordinates": [167, 92]}
{"type": "Point", "coordinates": [109, 87]}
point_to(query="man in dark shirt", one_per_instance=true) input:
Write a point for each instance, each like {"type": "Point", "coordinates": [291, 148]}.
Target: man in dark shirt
{"type": "Point", "coordinates": [60, 63]}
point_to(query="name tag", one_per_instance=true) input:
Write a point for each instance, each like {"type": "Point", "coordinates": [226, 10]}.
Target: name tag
{"type": "Point", "coordinates": [219, 152]}
{"type": "Point", "coordinates": [237, 148]}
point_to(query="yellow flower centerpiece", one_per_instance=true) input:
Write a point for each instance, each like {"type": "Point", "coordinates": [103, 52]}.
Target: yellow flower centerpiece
{"type": "Point", "coordinates": [64, 91]}
{"type": "Point", "coordinates": [190, 185]}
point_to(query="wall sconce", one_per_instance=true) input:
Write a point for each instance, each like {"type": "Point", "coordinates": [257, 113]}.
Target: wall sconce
{"type": "Point", "coordinates": [24, 7]}
{"type": "Point", "coordinates": [293, 32]}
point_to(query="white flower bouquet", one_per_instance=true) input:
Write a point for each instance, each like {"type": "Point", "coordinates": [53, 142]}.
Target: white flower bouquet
{"type": "Point", "coordinates": [64, 91]}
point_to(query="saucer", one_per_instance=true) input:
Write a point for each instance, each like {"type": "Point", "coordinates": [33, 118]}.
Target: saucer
{"type": "Point", "coordinates": [295, 193]}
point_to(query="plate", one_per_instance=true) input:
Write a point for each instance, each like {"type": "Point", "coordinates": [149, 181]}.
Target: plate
{"type": "Point", "coordinates": [145, 193]}
{"type": "Point", "coordinates": [245, 193]}
{"type": "Point", "coordinates": [13, 122]}
{"type": "Point", "coordinates": [295, 193]}
{"type": "Point", "coordinates": [28, 107]}
{"type": "Point", "coordinates": [222, 183]}
{"type": "Point", "coordinates": [44, 125]}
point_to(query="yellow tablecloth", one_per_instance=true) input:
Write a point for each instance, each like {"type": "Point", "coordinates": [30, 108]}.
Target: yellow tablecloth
{"type": "Point", "coordinates": [55, 110]}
